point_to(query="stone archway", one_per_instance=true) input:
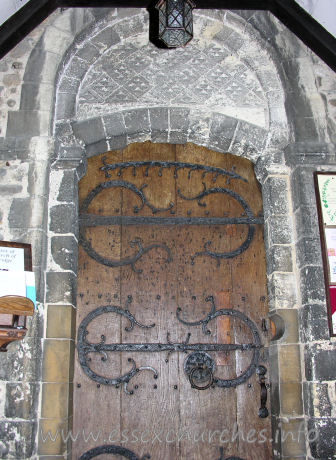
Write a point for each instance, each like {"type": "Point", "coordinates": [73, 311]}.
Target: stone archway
{"type": "Point", "coordinates": [41, 145]}
{"type": "Point", "coordinates": [81, 130]}
{"type": "Point", "coordinates": [70, 166]}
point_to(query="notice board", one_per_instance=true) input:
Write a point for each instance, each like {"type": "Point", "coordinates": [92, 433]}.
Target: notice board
{"type": "Point", "coordinates": [325, 187]}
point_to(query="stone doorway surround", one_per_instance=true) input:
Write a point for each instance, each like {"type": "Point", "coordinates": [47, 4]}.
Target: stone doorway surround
{"type": "Point", "coordinates": [66, 129]}
{"type": "Point", "coordinates": [285, 356]}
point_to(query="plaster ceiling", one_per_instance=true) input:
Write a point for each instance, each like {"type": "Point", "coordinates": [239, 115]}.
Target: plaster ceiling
{"type": "Point", "coordinates": [9, 7]}
{"type": "Point", "coordinates": [324, 11]}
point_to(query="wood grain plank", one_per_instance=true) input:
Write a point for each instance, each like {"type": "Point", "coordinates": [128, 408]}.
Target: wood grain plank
{"type": "Point", "coordinates": [249, 296]}
{"type": "Point", "coordinates": [155, 402]}
{"type": "Point", "coordinates": [204, 414]}
{"type": "Point", "coordinates": [223, 300]}
{"type": "Point", "coordinates": [16, 305]}
{"type": "Point", "coordinates": [175, 421]}
{"type": "Point", "coordinates": [97, 407]}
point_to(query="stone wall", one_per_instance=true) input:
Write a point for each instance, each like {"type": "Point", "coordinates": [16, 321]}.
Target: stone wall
{"type": "Point", "coordinates": [88, 80]}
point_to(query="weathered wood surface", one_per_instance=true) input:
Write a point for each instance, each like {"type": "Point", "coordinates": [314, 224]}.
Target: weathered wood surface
{"type": "Point", "coordinates": [189, 424]}
{"type": "Point", "coordinates": [8, 335]}
{"type": "Point", "coordinates": [16, 305]}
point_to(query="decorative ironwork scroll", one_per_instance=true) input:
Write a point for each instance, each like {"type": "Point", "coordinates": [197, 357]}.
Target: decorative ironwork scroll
{"type": "Point", "coordinates": [136, 243]}
{"type": "Point", "coordinates": [225, 255]}
{"type": "Point", "coordinates": [112, 449]}
{"type": "Point", "coordinates": [126, 453]}
{"type": "Point", "coordinates": [85, 348]}
{"type": "Point", "coordinates": [221, 450]}
{"type": "Point", "coordinates": [128, 186]}
{"type": "Point", "coordinates": [255, 345]}
{"type": "Point", "coordinates": [176, 166]}
{"type": "Point", "coordinates": [131, 260]}
{"type": "Point", "coordinates": [91, 220]}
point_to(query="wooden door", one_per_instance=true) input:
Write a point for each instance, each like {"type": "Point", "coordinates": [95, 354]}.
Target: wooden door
{"type": "Point", "coordinates": [171, 307]}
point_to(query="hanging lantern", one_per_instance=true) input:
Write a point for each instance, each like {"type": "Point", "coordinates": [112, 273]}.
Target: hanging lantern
{"type": "Point", "coordinates": [175, 22]}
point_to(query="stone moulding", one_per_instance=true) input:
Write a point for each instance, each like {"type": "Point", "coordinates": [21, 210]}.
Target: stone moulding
{"type": "Point", "coordinates": [290, 13]}
{"type": "Point", "coordinates": [116, 126]}
{"type": "Point", "coordinates": [127, 77]}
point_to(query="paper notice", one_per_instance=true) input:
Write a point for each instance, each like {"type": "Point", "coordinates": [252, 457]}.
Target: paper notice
{"type": "Point", "coordinates": [332, 269]}
{"type": "Point", "coordinates": [11, 258]}
{"type": "Point", "coordinates": [330, 235]}
{"type": "Point", "coordinates": [327, 190]}
{"type": "Point", "coordinates": [12, 283]}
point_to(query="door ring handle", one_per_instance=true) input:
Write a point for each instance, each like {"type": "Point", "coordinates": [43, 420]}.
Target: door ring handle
{"type": "Point", "coordinates": [192, 380]}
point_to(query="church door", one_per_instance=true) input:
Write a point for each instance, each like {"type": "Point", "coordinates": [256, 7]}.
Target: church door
{"type": "Point", "coordinates": [172, 329]}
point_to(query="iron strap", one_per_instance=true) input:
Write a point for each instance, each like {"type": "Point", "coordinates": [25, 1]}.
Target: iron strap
{"type": "Point", "coordinates": [178, 347]}
{"type": "Point", "coordinates": [93, 220]}
{"type": "Point", "coordinates": [112, 449]}
{"type": "Point", "coordinates": [90, 220]}
{"type": "Point", "coordinates": [85, 348]}
{"type": "Point", "coordinates": [173, 165]}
